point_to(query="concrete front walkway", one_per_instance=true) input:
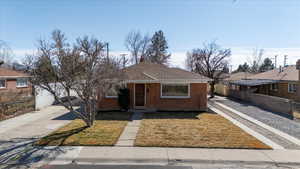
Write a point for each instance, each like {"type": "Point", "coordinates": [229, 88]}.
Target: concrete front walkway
{"type": "Point", "coordinates": [129, 134]}
{"type": "Point", "coordinates": [166, 156]}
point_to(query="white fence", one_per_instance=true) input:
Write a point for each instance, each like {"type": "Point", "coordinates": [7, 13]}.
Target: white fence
{"type": "Point", "coordinates": [43, 98]}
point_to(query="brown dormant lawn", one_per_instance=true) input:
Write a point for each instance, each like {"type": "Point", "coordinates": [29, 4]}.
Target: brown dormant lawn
{"type": "Point", "coordinates": [105, 131]}
{"type": "Point", "coordinates": [186, 129]}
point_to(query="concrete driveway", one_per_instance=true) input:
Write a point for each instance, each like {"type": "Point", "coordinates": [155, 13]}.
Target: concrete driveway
{"type": "Point", "coordinates": [18, 134]}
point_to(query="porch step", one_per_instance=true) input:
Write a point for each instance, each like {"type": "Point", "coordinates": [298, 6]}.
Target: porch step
{"type": "Point", "coordinates": [128, 136]}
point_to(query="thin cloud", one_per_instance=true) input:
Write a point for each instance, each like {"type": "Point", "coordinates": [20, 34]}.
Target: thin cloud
{"type": "Point", "coordinates": [239, 55]}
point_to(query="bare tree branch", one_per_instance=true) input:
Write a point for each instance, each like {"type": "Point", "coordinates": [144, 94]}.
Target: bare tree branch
{"type": "Point", "coordinates": [81, 68]}
{"type": "Point", "coordinates": [137, 45]}
{"type": "Point", "coordinates": [208, 61]}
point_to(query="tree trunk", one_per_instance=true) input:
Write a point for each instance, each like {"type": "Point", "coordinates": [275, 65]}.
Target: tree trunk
{"type": "Point", "coordinates": [212, 89]}
{"type": "Point", "coordinates": [89, 110]}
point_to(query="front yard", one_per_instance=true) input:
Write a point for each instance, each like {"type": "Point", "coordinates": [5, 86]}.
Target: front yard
{"type": "Point", "coordinates": [205, 130]}
{"type": "Point", "coordinates": [161, 129]}
{"type": "Point", "coordinates": [105, 132]}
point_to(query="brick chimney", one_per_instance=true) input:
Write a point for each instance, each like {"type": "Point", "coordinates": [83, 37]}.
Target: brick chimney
{"type": "Point", "coordinates": [298, 68]}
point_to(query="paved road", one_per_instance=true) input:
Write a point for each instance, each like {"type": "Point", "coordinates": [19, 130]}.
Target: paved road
{"type": "Point", "coordinates": [19, 133]}
{"type": "Point", "coordinates": [195, 166]}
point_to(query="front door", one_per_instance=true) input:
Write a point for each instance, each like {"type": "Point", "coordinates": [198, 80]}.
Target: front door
{"type": "Point", "coordinates": [139, 95]}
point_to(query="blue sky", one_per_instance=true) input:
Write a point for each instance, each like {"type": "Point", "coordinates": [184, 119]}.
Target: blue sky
{"type": "Point", "coordinates": [241, 25]}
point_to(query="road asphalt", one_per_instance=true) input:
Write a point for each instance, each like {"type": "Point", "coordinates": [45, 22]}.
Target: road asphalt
{"type": "Point", "coordinates": [199, 166]}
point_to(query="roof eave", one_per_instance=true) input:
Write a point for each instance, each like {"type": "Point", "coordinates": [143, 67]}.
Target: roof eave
{"type": "Point", "coordinates": [13, 77]}
{"type": "Point", "coordinates": [168, 81]}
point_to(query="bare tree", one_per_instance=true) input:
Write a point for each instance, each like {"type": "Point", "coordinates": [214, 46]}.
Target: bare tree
{"type": "Point", "coordinates": [255, 61]}
{"type": "Point", "coordinates": [137, 45]}
{"type": "Point", "coordinates": [189, 61]}
{"type": "Point", "coordinates": [209, 61]}
{"type": "Point", "coordinates": [6, 54]}
{"type": "Point", "coordinates": [83, 68]}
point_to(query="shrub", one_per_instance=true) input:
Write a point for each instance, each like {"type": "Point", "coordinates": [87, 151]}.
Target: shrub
{"type": "Point", "coordinates": [123, 98]}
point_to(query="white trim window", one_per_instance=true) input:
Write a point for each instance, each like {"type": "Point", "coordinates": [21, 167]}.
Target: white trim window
{"type": "Point", "coordinates": [174, 90]}
{"type": "Point", "coordinates": [2, 83]}
{"type": "Point", "coordinates": [292, 88]}
{"type": "Point", "coordinates": [22, 82]}
{"type": "Point", "coordinates": [113, 92]}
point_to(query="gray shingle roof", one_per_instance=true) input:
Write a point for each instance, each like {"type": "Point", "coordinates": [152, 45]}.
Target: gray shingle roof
{"type": "Point", "coordinates": [157, 72]}
{"type": "Point", "coordinates": [289, 73]}
{"type": "Point", "coordinates": [5, 72]}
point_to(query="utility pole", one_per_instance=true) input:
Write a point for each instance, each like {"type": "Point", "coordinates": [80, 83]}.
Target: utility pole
{"type": "Point", "coordinates": [285, 60]}
{"type": "Point", "coordinates": [107, 51]}
{"type": "Point", "coordinates": [124, 59]}
{"type": "Point", "coordinates": [275, 61]}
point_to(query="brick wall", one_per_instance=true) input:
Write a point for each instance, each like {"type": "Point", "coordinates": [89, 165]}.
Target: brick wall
{"type": "Point", "coordinates": [197, 101]}
{"type": "Point", "coordinates": [11, 91]}
{"type": "Point", "coordinates": [283, 91]}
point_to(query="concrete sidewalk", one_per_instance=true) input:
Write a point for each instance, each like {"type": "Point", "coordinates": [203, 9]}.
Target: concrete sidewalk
{"type": "Point", "coordinates": [153, 155]}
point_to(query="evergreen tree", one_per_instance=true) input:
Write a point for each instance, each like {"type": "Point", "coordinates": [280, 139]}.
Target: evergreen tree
{"type": "Point", "coordinates": [255, 67]}
{"type": "Point", "coordinates": [243, 68]}
{"type": "Point", "coordinates": [266, 65]}
{"type": "Point", "coordinates": [225, 69]}
{"type": "Point", "coordinates": [157, 51]}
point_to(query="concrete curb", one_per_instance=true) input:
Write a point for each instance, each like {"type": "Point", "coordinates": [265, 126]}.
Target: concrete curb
{"type": "Point", "coordinates": [151, 155]}
{"type": "Point", "coordinates": [161, 161]}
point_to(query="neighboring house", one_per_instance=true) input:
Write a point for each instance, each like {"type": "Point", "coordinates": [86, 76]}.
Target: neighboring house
{"type": "Point", "coordinates": [238, 76]}
{"type": "Point", "coordinates": [221, 76]}
{"type": "Point", "coordinates": [280, 82]}
{"type": "Point", "coordinates": [158, 87]}
{"type": "Point", "coordinates": [13, 84]}
{"type": "Point", "coordinates": [222, 87]}
{"type": "Point", "coordinates": [16, 94]}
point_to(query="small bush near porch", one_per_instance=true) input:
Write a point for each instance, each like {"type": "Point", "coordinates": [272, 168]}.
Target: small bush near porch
{"type": "Point", "coordinates": [105, 131]}
{"type": "Point", "coordinates": [184, 129]}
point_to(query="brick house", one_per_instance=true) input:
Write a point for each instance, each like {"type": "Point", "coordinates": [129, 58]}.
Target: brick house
{"type": "Point", "coordinates": [281, 82]}
{"type": "Point", "coordinates": [13, 84]}
{"type": "Point", "coordinates": [158, 87]}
